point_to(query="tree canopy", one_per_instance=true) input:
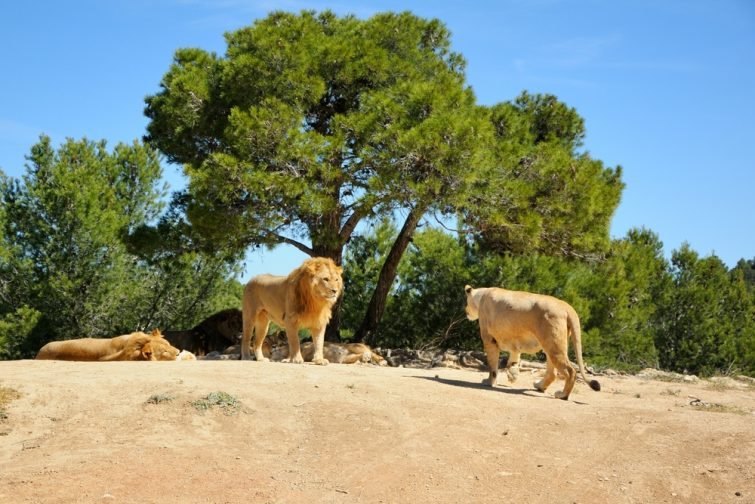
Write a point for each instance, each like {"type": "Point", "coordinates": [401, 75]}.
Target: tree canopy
{"type": "Point", "coordinates": [311, 123]}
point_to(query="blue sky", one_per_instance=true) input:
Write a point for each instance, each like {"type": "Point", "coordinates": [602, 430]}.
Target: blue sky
{"type": "Point", "coordinates": [665, 88]}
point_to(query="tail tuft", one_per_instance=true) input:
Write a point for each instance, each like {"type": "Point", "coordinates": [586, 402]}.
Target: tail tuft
{"type": "Point", "coordinates": [595, 385]}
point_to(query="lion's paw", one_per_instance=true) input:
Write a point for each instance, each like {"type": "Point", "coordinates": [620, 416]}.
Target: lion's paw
{"type": "Point", "coordinates": [321, 362]}
{"type": "Point", "coordinates": [490, 382]}
{"type": "Point", "coordinates": [512, 374]}
{"type": "Point", "coordinates": [560, 395]}
{"type": "Point", "coordinates": [539, 385]}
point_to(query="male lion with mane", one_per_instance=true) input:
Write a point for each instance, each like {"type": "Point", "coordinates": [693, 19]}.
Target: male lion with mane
{"type": "Point", "coordinates": [137, 346]}
{"type": "Point", "coordinates": [302, 300]}
{"type": "Point", "coordinates": [522, 322]}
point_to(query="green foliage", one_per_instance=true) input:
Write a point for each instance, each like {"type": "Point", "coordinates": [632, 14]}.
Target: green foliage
{"type": "Point", "coordinates": [637, 309]}
{"type": "Point", "coordinates": [66, 270]}
{"type": "Point", "coordinates": [362, 261]}
{"type": "Point", "coordinates": [427, 307]}
{"type": "Point", "coordinates": [747, 268]}
{"type": "Point", "coordinates": [706, 320]}
{"type": "Point", "coordinates": [311, 123]}
{"type": "Point", "coordinates": [624, 291]}
{"type": "Point", "coordinates": [541, 194]}
{"type": "Point", "coordinates": [15, 329]}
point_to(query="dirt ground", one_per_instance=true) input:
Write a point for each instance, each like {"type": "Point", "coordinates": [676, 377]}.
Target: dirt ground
{"type": "Point", "coordinates": [142, 432]}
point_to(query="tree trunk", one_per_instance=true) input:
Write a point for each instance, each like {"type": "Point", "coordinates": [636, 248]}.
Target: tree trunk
{"type": "Point", "coordinates": [366, 331]}
{"type": "Point", "coordinates": [333, 331]}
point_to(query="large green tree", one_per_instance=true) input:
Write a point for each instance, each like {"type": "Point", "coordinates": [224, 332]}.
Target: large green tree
{"type": "Point", "coordinates": [705, 322]}
{"type": "Point", "coordinates": [543, 194]}
{"type": "Point", "coordinates": [311, 123]}
{"type": "Point", "coordinates": [624, 291]}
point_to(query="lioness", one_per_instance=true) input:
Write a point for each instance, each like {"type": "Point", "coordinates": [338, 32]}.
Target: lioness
{"type": "Point", "coordinates": [303, 299]}
{"type": "Point", "coordinates": [129, 347]}
{"type": "Point", "coordinates": [341, 353]}
{"type": "Point", "coordinates": [523, 322]}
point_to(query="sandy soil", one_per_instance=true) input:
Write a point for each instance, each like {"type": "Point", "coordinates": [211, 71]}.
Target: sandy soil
{"type": "Point", "coordinates": [133, 432]}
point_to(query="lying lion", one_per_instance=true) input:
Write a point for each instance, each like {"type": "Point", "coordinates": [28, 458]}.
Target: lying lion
{"type": "Point", "coordinates": [523, 322]}
{"type": "Point", "coordinates": [137, 346]}
{"type": "Point", "coordinates": [339, 353]}
{"type": "Point", "coordinates": [214, 333]}
{"type": "Point", "coordinates": [302, 300]}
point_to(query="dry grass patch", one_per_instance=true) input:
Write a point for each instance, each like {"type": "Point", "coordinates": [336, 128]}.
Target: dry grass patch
{"type": "Point", "coordinates": [6, 396]}
{"type": "Point", "coordinates": [226, 402]}
{"type": "Point", "coordinates": [160, 398]}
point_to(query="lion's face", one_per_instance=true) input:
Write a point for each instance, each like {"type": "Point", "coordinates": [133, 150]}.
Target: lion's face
{"type": "Point", "coordinates": [472, 308]}
{"type": "Point", "coordinates": [157, 348]}
{"type": "Point", "coordinates": [326, 281]}
{"type": "Point", "coordinates": [160, 350]}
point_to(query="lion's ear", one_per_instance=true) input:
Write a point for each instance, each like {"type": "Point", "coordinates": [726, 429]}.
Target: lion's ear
{"type": "Point", "coordinates": [156, 333]}
{"type": "Point", "coordinates": [467, 289]}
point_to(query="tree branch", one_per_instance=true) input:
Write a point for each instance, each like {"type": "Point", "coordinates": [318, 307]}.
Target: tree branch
{"type": "Point", "coordinates": [350, 225]}
{"type": "Point", "coordinates": [290, 241]}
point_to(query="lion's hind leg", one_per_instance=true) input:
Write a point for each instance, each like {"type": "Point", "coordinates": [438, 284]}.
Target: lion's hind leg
{"type": "Point", "coordinates": [550, 376]}
{"type": "Point", "coordinates": [493, 354]}
{"type": "Point", "coordinates": [570, 376]}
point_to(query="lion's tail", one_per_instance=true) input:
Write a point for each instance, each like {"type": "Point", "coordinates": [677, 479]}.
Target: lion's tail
{"type": "Point", "coordinates": [576, 333]}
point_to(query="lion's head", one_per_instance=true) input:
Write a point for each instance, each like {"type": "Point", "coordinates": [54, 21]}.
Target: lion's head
{"type": "Point", "coordinates": [318, 284]}
{"type": "Point", "coordinates": [224, 324]}
{"type": "Point", "coordinates": [472, 307]}
{"type": "Point", "coordinates": [149, 347]}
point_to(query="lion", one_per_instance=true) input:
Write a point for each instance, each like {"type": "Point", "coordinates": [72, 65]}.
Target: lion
{"type": "Point", "coordinates": [137, 346]}
{"type": "Point", "coordinates": [302, 300]}
{"type": "Point", "coordinates": [522, 322]}
{"type": "Point", "coordinates": [213, 334]}
{"type": "Point", "coordinates": [339, 353]}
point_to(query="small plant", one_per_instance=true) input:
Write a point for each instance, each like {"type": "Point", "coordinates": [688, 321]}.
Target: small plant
{"type": "Point", "coordinates": [229, 404]}
{"type": "Point", "coordinates": [160, 398]}
{"type": "Point", "coordinates": [6, 396]}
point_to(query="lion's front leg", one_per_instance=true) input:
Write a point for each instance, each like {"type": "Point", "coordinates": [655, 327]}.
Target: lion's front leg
{"type": "Point", "coordinates": [294, 347]}
{"type": "Point", "coordinates": [318, 338]}
{"type": "Point", "coordinates": [246, 333]}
